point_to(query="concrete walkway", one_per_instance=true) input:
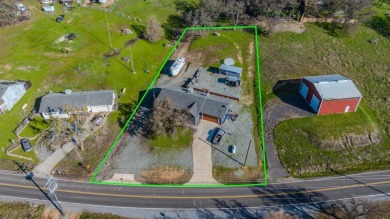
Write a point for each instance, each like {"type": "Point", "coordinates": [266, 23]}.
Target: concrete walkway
{"type": "Point", "coordinates": [276, 112]}
{"type": "Point", "coordinates": [201, 155]}
{"type": "Point", "coordinates": [48, 165]}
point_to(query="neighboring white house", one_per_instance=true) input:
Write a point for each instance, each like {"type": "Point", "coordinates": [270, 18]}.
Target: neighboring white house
{"type": "Point", "coordinates": [11, 92]}
{"type": "Point", "coordinates": [62, 105]}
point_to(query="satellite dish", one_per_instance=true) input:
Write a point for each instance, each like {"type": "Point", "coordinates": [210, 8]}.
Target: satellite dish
{"type": "Point", "coordinates": [229, 61]}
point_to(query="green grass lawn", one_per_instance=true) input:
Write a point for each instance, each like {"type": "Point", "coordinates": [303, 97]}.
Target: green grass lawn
{"type": "Point", "coordinates": [183, 140]}
{"type": "Point", "coordinates": [298, 143]}
{"type": "Point", "coordinates": [32, 43]}
{"type": "Point", "coordinates": [35, 127]}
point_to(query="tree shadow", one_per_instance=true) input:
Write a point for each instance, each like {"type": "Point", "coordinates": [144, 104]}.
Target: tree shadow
{"type": "Point", "coordinates": [357, 181]}
{"type": "Point", "coordinates": [380, 24]}
{"type": "Point", "coordinates": [173, 26]}
{"type": "Point", "coordinates": [333, 29]}
{"type": "Point", "coordinates": [139, 29]}
{"type": "Point", "coordinates": [294, 201]}
{"type": "Point", "coordinates": [125, 110]}
{"type": "Point", "coordinates": [288, 92]}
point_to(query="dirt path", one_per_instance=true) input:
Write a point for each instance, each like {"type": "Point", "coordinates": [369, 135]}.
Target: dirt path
{"type": "Point", "coordinates": [277, 111]}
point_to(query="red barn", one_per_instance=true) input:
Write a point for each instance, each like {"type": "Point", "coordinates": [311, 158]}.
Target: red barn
{"type": "Point", "coordinates": [327, 94]}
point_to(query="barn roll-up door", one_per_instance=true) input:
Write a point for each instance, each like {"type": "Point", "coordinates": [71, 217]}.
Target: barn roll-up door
{"type": "Point", "coordinates": [304, 90]}
{"type": "Point", "coordinates": [314, 103]}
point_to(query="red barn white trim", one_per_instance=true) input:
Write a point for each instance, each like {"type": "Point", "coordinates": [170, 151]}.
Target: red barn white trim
{"type": "Point", "coordinates": [327, 94]}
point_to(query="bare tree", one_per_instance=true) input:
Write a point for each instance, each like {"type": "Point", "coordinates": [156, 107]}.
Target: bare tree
{"type": "Point", "coordinates": [154, 31]}
{"type": "Point", "coordinates": [165, 119]}
{"type": "Point", "coordinates": [235, 10]}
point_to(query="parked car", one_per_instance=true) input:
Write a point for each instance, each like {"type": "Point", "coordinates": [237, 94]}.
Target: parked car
{"type": "Point", "coordinates": [70, 36]}
{"type": "Point", "coordinates": [60, 18]}
{"type": "Point", "coordinates": [218, 136]}
{"type": "Point", "coordinates": [26, 144]}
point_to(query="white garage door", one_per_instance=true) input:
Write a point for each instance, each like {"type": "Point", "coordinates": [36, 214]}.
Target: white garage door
{"type": "Point", "coordinates": [314, 103]}
{"type": "Point", "coordinates": [304, 90]}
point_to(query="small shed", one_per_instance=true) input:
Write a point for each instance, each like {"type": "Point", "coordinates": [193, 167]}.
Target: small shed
{"type": "Point", "coordinates": [328, 94]}
{"type": "Point", "coordinates": [48, 8]}
{"type": "Point", "coordinates": [230, 70]}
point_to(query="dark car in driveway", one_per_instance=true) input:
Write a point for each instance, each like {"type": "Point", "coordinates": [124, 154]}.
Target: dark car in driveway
{"type": "Point", "coordinates": [26, 145]}
{"type": "Point", "coordinates": [60, 18]}
{"type": "Point", "coordinates": [219, 133]}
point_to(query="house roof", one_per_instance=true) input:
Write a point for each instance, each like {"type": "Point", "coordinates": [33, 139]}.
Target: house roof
{"type": "Point", "coordinates": [231, 68]}
{"type": "Point", "coordinates": [334, 86]}
{"type": "Point", "coordinates": [4, 85]}
{"type": "Point", "coordinates": [56, 102]}
{"type": "Point", "coordinates": [196, 103]}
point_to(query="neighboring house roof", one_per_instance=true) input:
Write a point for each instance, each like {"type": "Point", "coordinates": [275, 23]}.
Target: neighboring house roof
{"type": "Point", "coordinates": [57, 102]}
{"type": "Point", "coordinates": [4, 85]}
{"type": "Point", "coordinates": [196, 103]}
{"type": "Point", "coordinates": [231, 68]}
{"type": "Point", "coordinates": [334, 86]}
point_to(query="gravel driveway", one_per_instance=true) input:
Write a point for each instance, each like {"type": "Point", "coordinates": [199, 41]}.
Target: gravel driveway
{"type": "Point", "coordinates": [277, 111]}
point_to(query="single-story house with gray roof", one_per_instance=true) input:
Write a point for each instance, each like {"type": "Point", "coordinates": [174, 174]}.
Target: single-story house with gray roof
{"type": "Point", "coordinates": [327, 94]}
{"type": "Point", "coordinates": [62, 105]}
{"type": "Point", "coordinates": [200, 106]}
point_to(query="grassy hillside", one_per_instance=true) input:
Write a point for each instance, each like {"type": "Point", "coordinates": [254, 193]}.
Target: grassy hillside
{"type": "Point", "coordinates": [29, 52]}
{"type": "Point", "coordinates": [317, 51]}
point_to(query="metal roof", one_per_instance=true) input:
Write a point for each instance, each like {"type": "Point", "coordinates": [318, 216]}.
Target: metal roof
{"type": "Point", "coordinates": [196, 103]}
{"type": "Point", "coordinates": [334, 86]}
{"type": "Point", "coordinates": [231, 68]}
{"type": "Point", "coordinates": [57, 102]}
{"type": "Point", "coordinates": [4, 85]}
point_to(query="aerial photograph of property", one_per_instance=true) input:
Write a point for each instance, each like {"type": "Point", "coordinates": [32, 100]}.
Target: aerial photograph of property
{"type": "Point", "coordinates": [194, 109]}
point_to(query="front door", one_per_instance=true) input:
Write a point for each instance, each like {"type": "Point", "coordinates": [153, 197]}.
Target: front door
{"type": "Point", "coordinates": [346, 109]}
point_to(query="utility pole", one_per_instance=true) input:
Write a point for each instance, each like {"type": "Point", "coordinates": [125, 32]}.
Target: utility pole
{"type": "Point", "coordinates": [131, 57]}
{"type": "Point", "coordinates": [53, 186]}
{"type": "Point", "coordinates": [247, 152]}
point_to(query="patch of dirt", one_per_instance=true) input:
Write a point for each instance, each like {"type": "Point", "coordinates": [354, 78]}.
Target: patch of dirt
{"type": "Point", "coordinates": [349, 140]}
{"type": "Point", "coordinates": [165, 175]}
{"type": "Point", "coordinates": [8, 67]}
{"type": "Point", "coordinates": [248, 99]}
{"type": "Point", "coordinates": [51, 213]}
{"type": "Point", "coordinates": [243, 174]}
{"type": "Point", "coordinates": [28, 68]}
{"type": "Point", "coordinates": [69, 21]}
{"type": "Point", "coordinates": [289, 26]}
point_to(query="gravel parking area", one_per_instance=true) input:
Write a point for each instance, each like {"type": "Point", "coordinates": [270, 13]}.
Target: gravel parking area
{"type": "Point", "coordinates": [132, 155]}
{"type": "Point", "coordinates": [240, 134]}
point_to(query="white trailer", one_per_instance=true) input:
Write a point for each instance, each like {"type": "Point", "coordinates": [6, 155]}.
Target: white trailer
{"type": "Point", "coordinates": [177, 66]}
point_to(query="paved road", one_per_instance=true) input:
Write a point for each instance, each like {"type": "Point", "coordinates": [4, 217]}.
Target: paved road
{"type": "Point", "coordinates": [276, 112]}
{"type": "Point", "coordinates": [314, 191]}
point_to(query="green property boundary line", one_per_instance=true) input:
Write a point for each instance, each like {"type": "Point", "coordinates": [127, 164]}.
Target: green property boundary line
{"type": "Point", "coordinates": [92, 180]}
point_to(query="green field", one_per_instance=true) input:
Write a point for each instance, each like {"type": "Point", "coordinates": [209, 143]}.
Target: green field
{"type": "Point", "coordinates": [299, 142]}
{"type": "Point", "coordinates": [29, 52]}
